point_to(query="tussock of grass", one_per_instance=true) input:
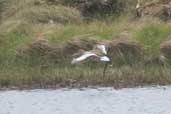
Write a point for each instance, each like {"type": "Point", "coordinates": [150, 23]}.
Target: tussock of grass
{"type": "Point", "coordinates": [14, 34]}
{"type": "Point", "coordinates": [152, 35]}
{"type": "Point", "coordinates": [43, 13]}
{"type": "Point", "coordinates": [50, 14]}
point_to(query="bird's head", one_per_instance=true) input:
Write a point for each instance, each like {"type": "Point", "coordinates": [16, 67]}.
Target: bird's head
{"type": "Point", "coordinates": [101, 48]}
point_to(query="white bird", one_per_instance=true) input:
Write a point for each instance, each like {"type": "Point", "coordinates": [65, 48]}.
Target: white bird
{"type": "Point", "coordinates": [102, 48]}
{"type": "Point", "coordinates": [138, 6]}
{"type": "Point", "coordinates": [98, 52]}
{"type": "Point", "coordinates": [83, 57]}
{"type": "Point", "coordinates": [105, 59]}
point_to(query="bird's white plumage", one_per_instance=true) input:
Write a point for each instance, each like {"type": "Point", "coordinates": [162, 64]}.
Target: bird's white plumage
{"type": "Point", "coordinates": [83, 57]}
{"type": "Point", "coordinates": [138, 5]}
{"type": "Point", "coordinates": [102, 48]}
{"type": "Point", "coordinates": [105, 59]}
{"type": "Point", "coordinates": [93, 53]}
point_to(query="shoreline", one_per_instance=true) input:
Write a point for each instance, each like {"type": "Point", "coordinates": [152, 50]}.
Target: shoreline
{"type": "Point", "coordinates": [80, 88]}
{"type": "Point", "coordinates": [79, 77]}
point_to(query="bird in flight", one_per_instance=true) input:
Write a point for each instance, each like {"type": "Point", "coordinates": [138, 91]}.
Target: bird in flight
{"type": "Point", "coordinates": [98, 53]}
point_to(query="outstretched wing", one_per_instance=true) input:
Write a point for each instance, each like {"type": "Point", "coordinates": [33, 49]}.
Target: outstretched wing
{"type": "Point", "coordinates": [83, 57]}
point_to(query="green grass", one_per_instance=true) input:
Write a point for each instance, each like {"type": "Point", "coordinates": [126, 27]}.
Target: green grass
{"type": "Point", "coordinates": [98, 30]}
{"type": "Point", "coordinates": [14, 35]}
{"type": "Point", "coordinates": [39, 77]}
{"type": "Point", "coordinates": [35, 72]}
{"type": "Point", "coordinates": [152, 35]}
{"type": "Point", "coordinates": [19, 29]}
{"type": "Point", "coordinates": [27, 10]}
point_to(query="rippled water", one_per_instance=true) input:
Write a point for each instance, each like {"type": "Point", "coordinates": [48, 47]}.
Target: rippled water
{"type": "Point", "coordinates": [153, 100]}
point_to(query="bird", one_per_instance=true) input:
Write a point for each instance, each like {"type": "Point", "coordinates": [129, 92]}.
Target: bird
{"type": "Point", "coordinates": [99, 53]}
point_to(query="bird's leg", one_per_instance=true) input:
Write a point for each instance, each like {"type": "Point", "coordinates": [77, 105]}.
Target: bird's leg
{"type": "Point", "coordinates": [105, 68]}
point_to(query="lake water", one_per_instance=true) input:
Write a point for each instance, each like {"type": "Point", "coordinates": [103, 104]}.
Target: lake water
{"type": "Point", "coordinates": [150, 100]}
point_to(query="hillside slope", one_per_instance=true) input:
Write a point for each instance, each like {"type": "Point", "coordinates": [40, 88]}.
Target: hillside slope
{"type": "Point", "coordinates": [38, 39]}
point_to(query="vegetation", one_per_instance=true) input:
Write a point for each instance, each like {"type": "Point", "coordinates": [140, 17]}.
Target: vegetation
{"type": "Point", "coordinates": [22, 21]}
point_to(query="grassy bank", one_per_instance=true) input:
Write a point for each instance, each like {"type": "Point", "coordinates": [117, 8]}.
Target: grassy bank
{"type": "Point", "coordinates": [35, 72]}
{"type": "Point", "coordinates": [57, 76]}
{"type": "Point", "coordinates": [60, 24]}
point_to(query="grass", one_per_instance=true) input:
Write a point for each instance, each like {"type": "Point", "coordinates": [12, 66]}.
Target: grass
{"type": "Point", "coordinates": [27, 10]}
{"type": "Point", "coordinates": [36, 72]}
{"type": "Point", "coordinates": [37, 77]}
{"type": "Point", "coordinates": [19, 29]}
{"type": "Point", "coordinates": [152, 35]}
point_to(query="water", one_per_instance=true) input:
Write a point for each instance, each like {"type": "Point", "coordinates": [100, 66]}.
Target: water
{"type": "Point", "coordinates": [153, 100]}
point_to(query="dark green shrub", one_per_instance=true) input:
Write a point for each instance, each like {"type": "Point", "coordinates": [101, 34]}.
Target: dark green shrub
{"type": "Point", "coordinates": [97, 8]}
